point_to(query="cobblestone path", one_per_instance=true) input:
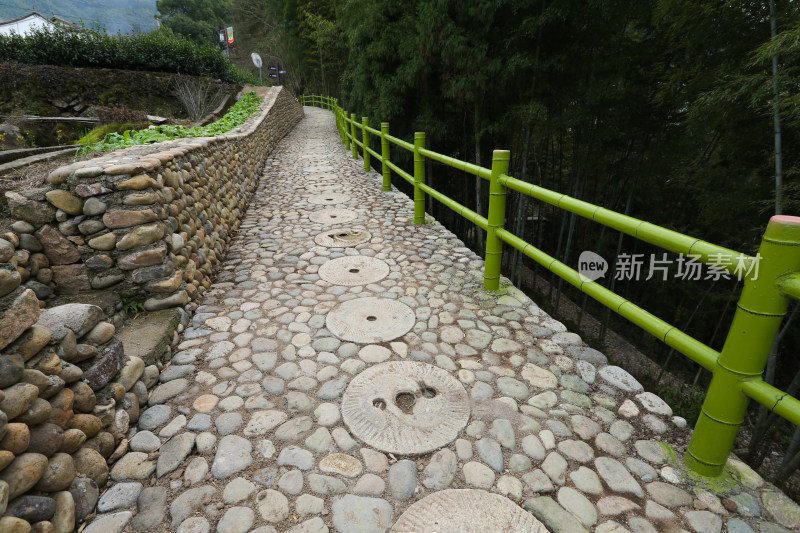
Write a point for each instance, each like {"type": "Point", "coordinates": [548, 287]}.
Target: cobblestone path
{"type": "Point", "coordinates": [286, 387]}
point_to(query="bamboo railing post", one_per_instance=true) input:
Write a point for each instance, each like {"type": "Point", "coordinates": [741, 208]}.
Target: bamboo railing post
{"type": "Point", "coordinates": [342, 124]}
{"type": "Point", "coordinates": [419, 178]}
{"type": "Point", "coordinates": [365, 140]}
{"type": "Point", "coordinates": [353, 135]}
{"type": "Point", "coordinates": [339, 124]}
{"type": "Point", "coordinates": [385, 154]}
{"type": "Point", "coordinates": [758, 317]}
{"type": "Point", "coordinates": [497, 219]}
{"type": "Point", "coordinates": [345, 122]}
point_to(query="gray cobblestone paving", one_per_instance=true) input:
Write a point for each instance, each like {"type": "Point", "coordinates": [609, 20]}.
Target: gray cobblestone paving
{"type": "Point", "coordinates": [252, 437]}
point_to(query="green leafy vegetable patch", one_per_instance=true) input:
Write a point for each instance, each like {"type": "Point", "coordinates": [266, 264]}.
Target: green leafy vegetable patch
{"type": "Point", "coordinates": [236, 116]}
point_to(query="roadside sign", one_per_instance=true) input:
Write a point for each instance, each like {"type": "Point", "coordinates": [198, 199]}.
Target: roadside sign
{"type": "Point", "coordinates": [257, 62]}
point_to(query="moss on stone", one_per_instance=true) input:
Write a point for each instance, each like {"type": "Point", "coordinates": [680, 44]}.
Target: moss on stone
{"type": "Point", "coordinates": [725, 484]}
{"type": "Point", "coordinates": [669, 452]}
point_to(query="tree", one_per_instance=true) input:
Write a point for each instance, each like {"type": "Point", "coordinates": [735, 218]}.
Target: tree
{"type": "Point", "coordinates": [198, 20]}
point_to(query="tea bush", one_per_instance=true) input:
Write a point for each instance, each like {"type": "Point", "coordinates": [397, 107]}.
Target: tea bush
{"type": "Point", "coordinates": [154, 51]}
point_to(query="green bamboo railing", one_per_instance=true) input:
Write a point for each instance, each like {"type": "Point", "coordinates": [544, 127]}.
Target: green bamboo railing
{"type": "Point", "coordinates": [768, 288]}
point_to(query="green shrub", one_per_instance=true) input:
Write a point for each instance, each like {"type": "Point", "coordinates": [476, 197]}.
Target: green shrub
{"type": "Point", "coordinates": [154, 51]}
{"type": "Point", "coordinates": [236, 116]}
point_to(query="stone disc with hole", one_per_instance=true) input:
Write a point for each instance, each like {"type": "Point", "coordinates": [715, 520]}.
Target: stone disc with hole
{"type": "Point", "coordinates": [466, 511]}
{"type": "Point", "coordinates": [332, 216]}
{"type": "Point", "coordinates": [405, 407]}
{"type": "Point", "coordinates": [318, 168]}
{"type": "Point", "coordinates": [353, 270]}
{"type": "Point", "coordinates": [319, 188]}
{"type": "Point", "coordinates": [328, 198]}
{"type": "Point", "coordinates": [370, 320]}
{"type": "Point", "coordinates": [321, 176]}
{"type": "Point", "coordinates": [342, 238]}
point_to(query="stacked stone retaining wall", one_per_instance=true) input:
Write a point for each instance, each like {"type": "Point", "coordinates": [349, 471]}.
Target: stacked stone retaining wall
{"type": "Point", "coordinates": [68, 394]}
{"type": "Point", "coordinates": [149, 222]}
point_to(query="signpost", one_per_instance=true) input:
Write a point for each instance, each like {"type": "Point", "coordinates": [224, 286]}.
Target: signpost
{"type": "Point", "coordinates": [223, 44]}
{"type": "Point", "coordinates": [226, 39]}
{"type": "Point", "coordinates": [257, 62]}
{"type": "Point", "coordinates": [276, 73]}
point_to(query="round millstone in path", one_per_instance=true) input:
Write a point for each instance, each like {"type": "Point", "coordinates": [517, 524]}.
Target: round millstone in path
{"type": "Point", "coordinates": [370, 320]}
{"type": "Point", "coordinates": [318, 168]}
{"type": "Point", "coordinates": [321, 187]}
{"type": "Point", "coordinates": [342, 238]}
{"type": "Point", "coordinates": [306, 164]}
{"type": "Point", "coordinates": [354, 270]}
{"type": "Point", "coordinates": [405, 407]}
{"type": "Point", "coordinates": [321, 176]}
{"type": "Point", "coordinates": [328, 198]}
{"type": "Point", "coordinates": [466, 511]}
{"type": "Point", "coordinates": [332, 216]}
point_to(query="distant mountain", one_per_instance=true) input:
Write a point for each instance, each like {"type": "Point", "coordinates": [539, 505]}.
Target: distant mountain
{"type": "Point", "coordinates": [117, 15]}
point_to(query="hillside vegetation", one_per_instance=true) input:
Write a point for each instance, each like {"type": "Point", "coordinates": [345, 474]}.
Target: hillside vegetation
{"type": "Point", "coordinates": [158, 51]}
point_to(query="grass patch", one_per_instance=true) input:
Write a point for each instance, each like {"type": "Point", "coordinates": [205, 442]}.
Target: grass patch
{"type": "Point", "coordinates": [236, 116]}
{"type": "Point", "coordinates": [99, 133]}
{"type": "Point", "coordinates": [685, 403]}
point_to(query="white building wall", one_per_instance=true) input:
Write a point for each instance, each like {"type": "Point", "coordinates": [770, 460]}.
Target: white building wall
{"type": "Point", "coordinates": [24, 26]}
